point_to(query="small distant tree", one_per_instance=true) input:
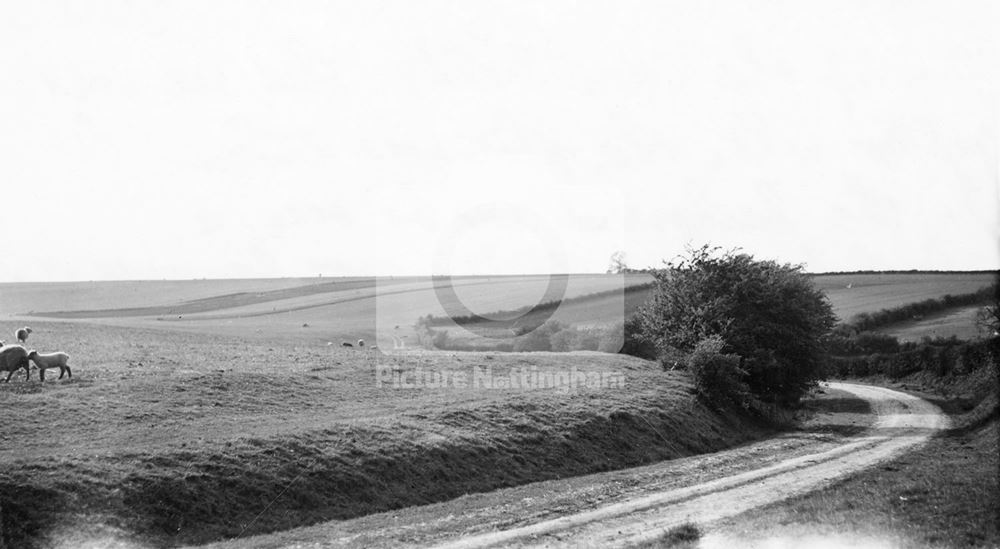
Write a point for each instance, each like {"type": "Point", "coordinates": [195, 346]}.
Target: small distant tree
{"type": "Point", "coordinates": [618, 265]}
{"type": "Point", "coordinates": [768, 314]}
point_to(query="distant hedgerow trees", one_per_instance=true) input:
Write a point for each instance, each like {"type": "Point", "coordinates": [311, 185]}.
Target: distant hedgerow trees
{"type": "Point", "coordinates": [745, 326]}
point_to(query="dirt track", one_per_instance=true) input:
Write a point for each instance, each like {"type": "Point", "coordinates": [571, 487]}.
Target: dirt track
{"type": "Point", "coordinates": [620, 508]}
{"type": "Point", "coordinates": [904, 421]}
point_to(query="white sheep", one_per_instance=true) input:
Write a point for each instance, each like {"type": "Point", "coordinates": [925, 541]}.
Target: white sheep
{"type": "Point", "coordinates": [51, 360]}
{"type": "Point", "coordinates": [361, 343]}
{"type": "Point", "coordinates": [22, 334]}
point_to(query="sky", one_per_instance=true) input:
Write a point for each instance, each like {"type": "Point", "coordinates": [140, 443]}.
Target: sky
{"type": "Point", "coordinates": [171, 140]}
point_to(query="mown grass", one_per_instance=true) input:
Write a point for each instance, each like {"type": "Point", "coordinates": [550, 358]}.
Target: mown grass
{"type": "Point", "coordinates": [170, 438]}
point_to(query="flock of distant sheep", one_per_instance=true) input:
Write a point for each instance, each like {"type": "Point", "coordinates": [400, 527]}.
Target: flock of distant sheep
{"type": "Point", "coordinates": [14, 357]}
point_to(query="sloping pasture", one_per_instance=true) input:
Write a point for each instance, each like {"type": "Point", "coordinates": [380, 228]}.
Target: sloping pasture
{"type": "Point", "coordinates": [168, 437]}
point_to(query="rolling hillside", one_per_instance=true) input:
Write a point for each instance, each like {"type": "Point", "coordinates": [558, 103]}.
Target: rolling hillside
{"type": "Point", "coordinates": [328, 310]}
{"type": "Point", "coordinates": [227, 393]}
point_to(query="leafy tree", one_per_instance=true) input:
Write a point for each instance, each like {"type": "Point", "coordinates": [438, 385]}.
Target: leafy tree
{"type": "Point", "coordinates": [769, 314]}
{"type": "Point", "coordinates": [618, 264]}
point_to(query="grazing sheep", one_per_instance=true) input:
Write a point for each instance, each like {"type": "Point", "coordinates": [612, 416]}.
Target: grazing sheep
{"type": "Point", "coordinates": [51, 360]}
{"type": "Point", "coordinates": [347, 344]}
{"type": "Point", "coordinates": [13, 358]}
{"type": "Point", "coordinates": [361, 343]}
{"type": "Point", "coordinates": [22, 334]}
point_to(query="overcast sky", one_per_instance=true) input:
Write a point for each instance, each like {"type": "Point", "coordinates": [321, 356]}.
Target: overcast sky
{"type": "Point", "coordinates": [248, 139]}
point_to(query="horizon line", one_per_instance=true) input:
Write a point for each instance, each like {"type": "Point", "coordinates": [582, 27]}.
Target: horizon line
{"type": "Point", "coordinates": [470, 275]}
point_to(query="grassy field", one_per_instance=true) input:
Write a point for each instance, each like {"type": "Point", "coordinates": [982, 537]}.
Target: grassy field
{"type": "Point", "coordinates": [853, 294]}
{"type": "Point", "coordinates": [165, 438]}
{"type": "Point", "coordinates": [201, 410]}
{"type": "Point", "coordinates": [301, 310]}
{"type": "Point", "coordinates": [30, 297]}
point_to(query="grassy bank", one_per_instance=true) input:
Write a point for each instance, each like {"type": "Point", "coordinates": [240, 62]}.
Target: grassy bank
{"type": "Point", "coordinates": [165, 439]}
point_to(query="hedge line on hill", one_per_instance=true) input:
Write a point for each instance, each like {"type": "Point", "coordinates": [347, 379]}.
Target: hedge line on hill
{"type": "Point", "coordinates": [525, 313]}
{"type": "Point", "coordinates": [880, 319]}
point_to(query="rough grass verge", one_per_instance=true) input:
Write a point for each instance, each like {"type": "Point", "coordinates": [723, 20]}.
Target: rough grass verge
{"type": "Point", "coordinates": [259, 485]}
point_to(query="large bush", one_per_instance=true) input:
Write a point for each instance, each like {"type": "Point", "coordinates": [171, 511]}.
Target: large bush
{"type": "Point", "coordinates": [769, 314]}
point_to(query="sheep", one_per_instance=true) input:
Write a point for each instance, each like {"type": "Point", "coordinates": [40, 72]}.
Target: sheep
{"type": "Point", "coordinates": [22, 334]}
{"type": "Point", "coordinates": [347, 344]}
{"type": "Point", "coordinates": [12, 358]}
{"type": "Point", "coordinates": [51, 360]}
{"type": "Point", "coordinates": [361, 343]}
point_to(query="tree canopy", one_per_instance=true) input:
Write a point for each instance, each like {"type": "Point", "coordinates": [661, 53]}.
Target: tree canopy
{"type": "Point", "coordinates": [768, 314]}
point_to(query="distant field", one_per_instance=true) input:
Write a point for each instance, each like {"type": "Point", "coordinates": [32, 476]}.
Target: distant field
{"type": "Point", "coordinates": [872, 292]}
{"type": "Point", "coordinates": [303, 310]}
{"type": "Point", "coordinates": [29, 297]}
{"type": "Point", "coordinates": [849, 294]}
{"type": "Point", "coordinates": [314, 310]}
{"type": "Point", "coordinates": [960, 323]}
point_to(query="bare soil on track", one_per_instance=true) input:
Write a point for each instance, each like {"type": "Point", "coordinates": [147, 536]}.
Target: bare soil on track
{"type": "Point", "coordinates": [853, 427]}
